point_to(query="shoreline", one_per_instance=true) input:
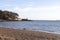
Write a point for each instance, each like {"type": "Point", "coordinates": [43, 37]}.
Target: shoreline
{"type": "Point", "coordinates": [16, 34]}
{"type": "Point", "coordinates": [47, 31]}
{"type": "Point", "coordinates": [52, 32]}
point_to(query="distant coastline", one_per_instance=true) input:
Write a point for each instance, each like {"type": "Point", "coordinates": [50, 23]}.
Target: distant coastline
{"type": "Point", "coordinates": [16, 20]}
{"type": "Point", "coordinates": [10, 16]}
{"type": "Point", "coordinates": [26, 20]}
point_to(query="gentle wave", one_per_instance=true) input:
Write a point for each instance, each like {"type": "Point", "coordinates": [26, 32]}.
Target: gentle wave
{"type": "Point", "coordinates": [45, 26]}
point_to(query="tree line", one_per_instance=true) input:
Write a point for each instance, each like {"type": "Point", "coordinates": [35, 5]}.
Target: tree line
{"type": "Point", "coordinates": [8, 15]}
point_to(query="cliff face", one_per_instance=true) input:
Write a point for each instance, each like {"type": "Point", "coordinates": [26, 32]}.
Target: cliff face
{"type": "Point", "coordinates": [8, 16]}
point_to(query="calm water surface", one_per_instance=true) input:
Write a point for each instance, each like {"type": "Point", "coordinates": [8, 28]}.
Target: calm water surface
{"type": "Point", "coordinates": [49, 26]}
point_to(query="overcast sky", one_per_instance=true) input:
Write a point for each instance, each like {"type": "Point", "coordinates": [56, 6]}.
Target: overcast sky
{"type": "Point", "coordinates": [33, 9]}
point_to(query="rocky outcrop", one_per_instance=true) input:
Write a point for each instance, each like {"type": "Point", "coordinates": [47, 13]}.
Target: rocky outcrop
{"type": "Point", "coordinates": [8, 16]}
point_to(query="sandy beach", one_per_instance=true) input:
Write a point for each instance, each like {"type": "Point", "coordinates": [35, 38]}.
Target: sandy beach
{"type": "Point", "coordinates": [16, 34]}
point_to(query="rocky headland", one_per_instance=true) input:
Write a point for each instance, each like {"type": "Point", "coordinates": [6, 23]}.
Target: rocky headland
{"type": "Point", "coordinates": [10, 16]}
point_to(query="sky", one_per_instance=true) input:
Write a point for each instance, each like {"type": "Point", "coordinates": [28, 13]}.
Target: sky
{"type": "Point", "coordinates": [33, 9]}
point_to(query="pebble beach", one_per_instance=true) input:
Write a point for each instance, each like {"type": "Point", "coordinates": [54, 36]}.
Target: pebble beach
{"type": "Point", "coordinates": [17, 34]}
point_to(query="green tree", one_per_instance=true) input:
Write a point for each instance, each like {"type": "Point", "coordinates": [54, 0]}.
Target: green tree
{"type": "Point", "coordinates": [7, 15]}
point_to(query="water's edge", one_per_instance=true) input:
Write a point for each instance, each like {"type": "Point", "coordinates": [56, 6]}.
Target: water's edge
{"type": "Point", "coordinates": [44, 26]}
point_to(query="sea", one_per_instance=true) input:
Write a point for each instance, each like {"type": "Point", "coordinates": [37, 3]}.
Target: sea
{"type": "Point", "coordinates": [52, 26]}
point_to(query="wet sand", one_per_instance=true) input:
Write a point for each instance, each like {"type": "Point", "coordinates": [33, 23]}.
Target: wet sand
{"type": "Point", "coordinates": [16, 34]}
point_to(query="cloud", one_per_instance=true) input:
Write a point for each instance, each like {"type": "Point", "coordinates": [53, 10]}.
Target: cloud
{"type": "Point", "coordinates": [40, 13]}
{"type": "Point", "coordinates": [47, 13]}
{"type": "Point", "coordinates": [30, 5]}
{"type": "Point", "coordinates": [23, 9]}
